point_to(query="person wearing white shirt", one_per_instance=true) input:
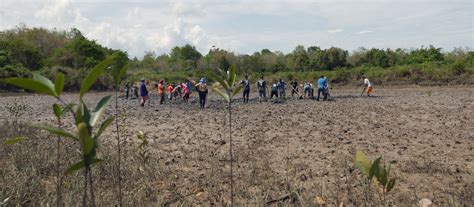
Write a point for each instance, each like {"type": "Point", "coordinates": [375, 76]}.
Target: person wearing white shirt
{"type": "Point", "coordinates": [367, 86]}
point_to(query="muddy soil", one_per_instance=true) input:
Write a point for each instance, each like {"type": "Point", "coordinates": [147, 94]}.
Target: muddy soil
{"type": "Point", "coordinates": [304, 148]}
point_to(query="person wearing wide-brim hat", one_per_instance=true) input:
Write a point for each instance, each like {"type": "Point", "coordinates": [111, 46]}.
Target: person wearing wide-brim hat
{"type": "Point", "coordinates": [201, 87]}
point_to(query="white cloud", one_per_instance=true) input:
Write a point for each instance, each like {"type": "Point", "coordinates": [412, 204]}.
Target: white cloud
{"type": "Point", "coordinates": [246, 26]}
{"type": "Point", "coordinates": [335, 30]}
{"type": "Point", "coordinates": [364, 32]}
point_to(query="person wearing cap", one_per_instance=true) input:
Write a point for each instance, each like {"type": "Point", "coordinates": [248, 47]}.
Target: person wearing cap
{"type": "Point", "coordinates": [201, 88]}
{"type": "Point", "coordinates": [322, 84]}
{"type": "Point", "coordinates": [161, 91]}
{"type": "Point", "coordinates": [144, 93]}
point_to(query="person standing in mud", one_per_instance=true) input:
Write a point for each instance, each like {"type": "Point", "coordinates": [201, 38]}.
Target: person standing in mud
{"type": "Point", "coordinates": [127, 89]}
{"type": "Point", "coordinates": [144, 93]}
{"type": "Point", "coordinates": [188, 84]}
{"type": "Point", "coordinates": [169, 91]}
{"type": "Point", "coordinates": [185, 88]}
{"type": "Point", "coordinates": [135, 91]}
{"type": "Point", "coordinates": [201, 88]}
{"type": "Point", "coordinates": [246, 85]}
{"type": "Point", "coordinates": [281, 88]}
{"type": "Point", "coordinates": [311, 91]}
{"type": "Point", "coordinates": [294, 88]}
{"type": "Point", "coordinates": [322, 85]}
{"type": "Point", "coordinates": [262, 89]}
{"type": "Point", "coordinates": [161, 91]}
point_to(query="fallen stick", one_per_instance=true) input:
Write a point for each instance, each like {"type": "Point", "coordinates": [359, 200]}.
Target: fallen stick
{"type": "Point", "coordinates": [282, 198]}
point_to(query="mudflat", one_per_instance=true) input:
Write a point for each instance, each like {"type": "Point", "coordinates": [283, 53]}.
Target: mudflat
{"type": "Point", "coordinates": [304, 148]}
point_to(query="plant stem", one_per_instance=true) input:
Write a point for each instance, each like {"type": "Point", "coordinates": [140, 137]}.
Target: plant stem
{"type": "Point", "coordinates": [287, 163]}
{"type": "Point", "coordinates": [67, 106]}
{"type": "Point", "coordinates": [91, 183]}
{"type": "Point", "coordinates": [84, 197]}
{"type": "Point", "coordinates": [231, 155]}
{"type": "Point", "coordinates": [118, 147]}
{"type": "Point", "coordinates": [58, 169]}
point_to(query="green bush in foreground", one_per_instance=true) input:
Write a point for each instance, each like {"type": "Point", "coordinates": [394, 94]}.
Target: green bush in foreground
{"type": "Point", "coordinates": [378, 175]}
{"type": "Point", "coordinates": [87, 132]}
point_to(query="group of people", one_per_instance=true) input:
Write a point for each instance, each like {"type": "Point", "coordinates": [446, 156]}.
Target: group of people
{"type": "Point", "coordinates": [174, 91]}
{"type": "Point", "coordinates": [170, 91]}
{"type": "Point", "coordinates": [278, 89]}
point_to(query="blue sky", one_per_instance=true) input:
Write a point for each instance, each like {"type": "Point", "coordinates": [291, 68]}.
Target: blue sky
{"type": "Point", "coordinates": [247, 26]}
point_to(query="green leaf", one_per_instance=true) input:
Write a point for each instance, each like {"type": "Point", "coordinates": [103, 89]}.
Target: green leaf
{"type": "Point", "coordinates": [66, 109]}
{"type": "Point", "coordinates": [99, 109]}
{"type": "Point", "coordinates": [362, 162]}
{"type": "Point", "coordinates": [236, 90]}
{"type": "Point", "coordinates": [222, 94]}
{"type": "Point", "coordinates": [43, 80]}
{"type": "Point", "coordinates": [232, 74]}
{"type": "Point", "coordinates": [104, 126]}
{"type": "Point", "coordinates": [383, 177]}
{"type": "Point", "coordinates": [374, 169]}
{"type": "Point", "coordinates": [94, 74]}
{"type": "Point", "coordinates": [14, 140]}
{"type": "Point", "coordinates": [87, 143]}
{"type": "Point", "coordinates": [57, 110]}
{"type": "Point", "coordinates": [29, 84]}
{"type": "Point", "coordinates": [390, 185]}
{"type": "Point", "coordinates": [80, 165]}
{"type": "Point", "coordinates": [75, 167]}
{"type": "Point", "coordinates": [59, 83]}
{"type": "Point", "coordinates": [123, 70]}
{"type": "Point", "coordinates": [79, 113]}
{"type": "Point", "coordinates": [86, 117]}
{"type": "Point", "coordinates": [220, 80]}
{"type": "Point", "coordinates": [118, 73]}
{"type": "Point", "coordinates": [57, 131]}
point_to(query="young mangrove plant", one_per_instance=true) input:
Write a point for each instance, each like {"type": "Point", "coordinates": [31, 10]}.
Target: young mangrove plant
{"type": "Point", "coordinates": [59, 113]}
{"type": "Point", "coordinates": [143, 149]}
{"type": "Point", "coordinates": [227, 80]}
{"type": "Point", "coordinates": [118, 72]}
{"type": "Point", "coordinates": [377, 175]}
{"type": "Point", "coordinates": [86, 133]}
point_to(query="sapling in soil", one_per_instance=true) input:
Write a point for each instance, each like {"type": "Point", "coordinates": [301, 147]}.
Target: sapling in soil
{"type": "Point", "coordinates": [226, 81]}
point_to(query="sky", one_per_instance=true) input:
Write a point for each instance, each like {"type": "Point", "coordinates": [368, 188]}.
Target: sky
{"type": "Point", "coordinates": [246, 26]}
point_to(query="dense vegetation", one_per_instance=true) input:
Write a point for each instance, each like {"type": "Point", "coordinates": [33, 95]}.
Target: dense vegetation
{"type": "Point", "coordinates": [23, 50]}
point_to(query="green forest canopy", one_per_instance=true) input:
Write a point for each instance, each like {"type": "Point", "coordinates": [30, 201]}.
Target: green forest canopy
{"type": "Point", "coordinates": [24, 50]}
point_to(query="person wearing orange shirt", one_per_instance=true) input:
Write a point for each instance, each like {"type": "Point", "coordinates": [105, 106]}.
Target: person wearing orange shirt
{"type": "Point", "coordinates": [161, 91]}
{"type": "Point", "coordinates": [169, 91]}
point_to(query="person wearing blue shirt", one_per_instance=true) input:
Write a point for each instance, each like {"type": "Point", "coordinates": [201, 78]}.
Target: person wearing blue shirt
{"type": "Point", "coordinates": [322, 84]}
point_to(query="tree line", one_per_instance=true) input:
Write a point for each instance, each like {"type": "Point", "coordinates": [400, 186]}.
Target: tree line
{"type": "Point", "coordinates": [24, 50]}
